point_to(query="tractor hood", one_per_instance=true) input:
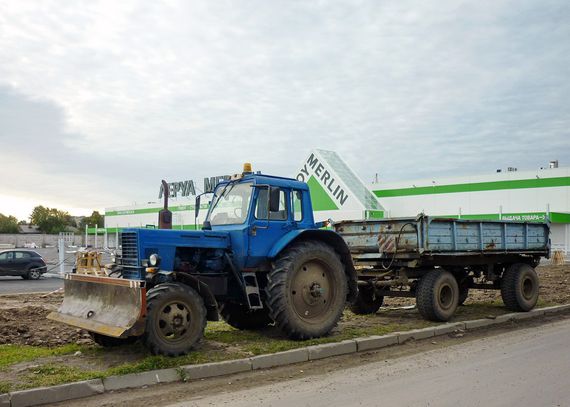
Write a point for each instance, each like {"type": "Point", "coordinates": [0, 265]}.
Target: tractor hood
{"type": "Point", "coordinates": [139, 244]}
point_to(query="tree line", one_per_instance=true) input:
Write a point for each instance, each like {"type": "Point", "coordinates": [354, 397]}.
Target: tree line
{"type": "Point", "coordinates": [51, 221]}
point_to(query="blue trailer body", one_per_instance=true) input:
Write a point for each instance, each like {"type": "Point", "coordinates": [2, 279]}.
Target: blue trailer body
{"type": "Point", "coordinates": [423, 236]}
{"type": "Point", "coordinates": [438, 260]}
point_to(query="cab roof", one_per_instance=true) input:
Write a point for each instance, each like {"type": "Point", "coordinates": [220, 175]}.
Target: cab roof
{"type": "Point", "coordinates": [283, 182]}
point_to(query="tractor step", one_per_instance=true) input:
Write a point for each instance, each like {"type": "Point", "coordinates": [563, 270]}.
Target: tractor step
{"type": "Point", "coordinates": [252, 291]}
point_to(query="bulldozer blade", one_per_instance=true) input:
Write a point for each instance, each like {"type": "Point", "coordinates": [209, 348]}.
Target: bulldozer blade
{"type": "Point", "coordinates": [109, 306]}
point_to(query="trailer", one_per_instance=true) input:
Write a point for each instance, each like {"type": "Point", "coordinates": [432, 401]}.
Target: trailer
{"type": "Point", "coordinates": [438, 260]}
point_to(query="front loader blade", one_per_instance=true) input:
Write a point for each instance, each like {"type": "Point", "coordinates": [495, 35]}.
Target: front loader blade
{"type": "Point", "coordinates": [109, 306]}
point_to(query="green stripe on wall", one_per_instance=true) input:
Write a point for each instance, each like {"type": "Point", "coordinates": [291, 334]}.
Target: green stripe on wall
{"type": "Point", "coordinates": [154, 210]}
{"type": "Point", "coordinates": [475, 187]}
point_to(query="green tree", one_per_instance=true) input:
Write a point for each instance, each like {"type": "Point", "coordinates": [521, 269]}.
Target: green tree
{"type": "Point", "coordinates": [50, 220]}
{"type": "Point", "coordinates": [8, 224]}
{"type": "Point", "coordinates": [95, 219]}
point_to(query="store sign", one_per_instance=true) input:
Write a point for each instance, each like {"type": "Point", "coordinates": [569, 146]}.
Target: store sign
{"type": "Point", "coordinates": [525, 217]}
{"type": "Point", "coordinates": [187, 188]}
{"type": "Point", "coordinates": [324, 176]}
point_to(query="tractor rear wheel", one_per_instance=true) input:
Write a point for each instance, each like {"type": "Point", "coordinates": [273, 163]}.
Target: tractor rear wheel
{"type": "Point", "coordinates": [367, 302]}
{"type": "Point", "coordinates": [437, 295]}
{"type": "Point", "coordinates": [175, 320]}
{"type": "Point", "coordinates": [241, 317]}
{"type": "Point", "coordinates": [519, 287]}
{"type": "Point", "coordinates": [306, 290]}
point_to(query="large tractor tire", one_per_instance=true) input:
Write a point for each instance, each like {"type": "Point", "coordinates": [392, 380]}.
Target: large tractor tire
{"type": "Point", "coordinates": [437, 295]}
{"type": "Point", "coordinates": [367, 302]}
{"type": "Point", "coordinates": [241, 317]}
{"type": "Point", "coordinates": [463, 281]}
{"type": "Point", "coordinates": [306, 290]}
{"type": "Point", "coordinates": [519, 287]}
{"type": "Point", "coordinates": [175, 320]}
{"type": "Point", "coordinates": [109, 341]}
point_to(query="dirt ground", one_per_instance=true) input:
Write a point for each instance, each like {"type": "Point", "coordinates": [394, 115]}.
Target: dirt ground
{"type": "Point", "coordinates": [23, 317]}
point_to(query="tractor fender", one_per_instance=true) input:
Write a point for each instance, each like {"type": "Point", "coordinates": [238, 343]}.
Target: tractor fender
{"type": "Point", "coordinates": [329, 237]}
{"type": "Point", "coordinates": [204, 291]}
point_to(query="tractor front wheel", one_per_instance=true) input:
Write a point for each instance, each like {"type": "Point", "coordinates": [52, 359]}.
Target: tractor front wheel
{"type": "Point", "coordinates": [175, 320]}
{"type": "Point", "coordinates": [306, 290]}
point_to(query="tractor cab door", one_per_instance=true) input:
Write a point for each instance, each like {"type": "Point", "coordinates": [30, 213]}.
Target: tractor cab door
{"type": "Point", "coordinates": [270, 220]}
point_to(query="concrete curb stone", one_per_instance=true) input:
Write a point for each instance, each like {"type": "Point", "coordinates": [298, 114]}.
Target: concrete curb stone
{"type": "Point", "coordinates": [54, 394]}
{"type": "Point", "coordinates": [332, 349]}
{"type": "Point", "coordinates": [141, 379]}
{"type": "Point", "coordinates": [526, 315]}
{"type": "Point", "coordinates": [4, 400]}
{"type": "Point", "coordinates": [448, 328]}
{"type": "Point", "coordinates": [376, 342]}
{"type": "Point", "coordinates": [280, 358]}
{"type": "Point", "coordinates": [416, 334]}
{"type": "Point", "coordinates": [194, 372]}
{"type": "Point", "coordinates": [479, 323]}
{"type": "Point", "coordinates": [555, 309]}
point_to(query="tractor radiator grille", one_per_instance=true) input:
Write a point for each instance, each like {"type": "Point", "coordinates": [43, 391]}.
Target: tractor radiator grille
{"type": "Point", "coordinates": [129, 243]}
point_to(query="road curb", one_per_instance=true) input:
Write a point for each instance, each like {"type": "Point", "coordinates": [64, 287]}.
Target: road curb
{"type": "Point", "coordinates": [54, 394]}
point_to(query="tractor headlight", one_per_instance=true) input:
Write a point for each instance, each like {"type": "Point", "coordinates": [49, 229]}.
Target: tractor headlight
{"type": "Point", "coordinates": [154, 260]}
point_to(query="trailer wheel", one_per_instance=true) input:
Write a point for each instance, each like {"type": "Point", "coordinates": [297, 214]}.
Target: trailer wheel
{"type": "Point", "coordinates": [175, 320]}
{"type": "Point", "coordinates": [306, 290]}
{"type": "Point", "coordinates": [110, 341]}
{"type": "Point", "coordinates": [463, 281]}
{"type": "Point", "coordinates": [519, 287]}
{"type": "Point", "coordinates": [367, 302]}
{"type": "Point", "coordinates": [240, 317]}
{"type": "Point", "coordinates": [437, 295]}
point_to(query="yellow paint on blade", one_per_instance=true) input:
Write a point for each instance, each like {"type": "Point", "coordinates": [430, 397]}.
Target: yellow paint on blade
{"type": "Point", "coordinates": [93, 326]}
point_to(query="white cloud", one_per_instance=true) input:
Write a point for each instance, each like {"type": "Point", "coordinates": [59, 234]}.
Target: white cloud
{"type": "Point", "coordinates": [145, 90]}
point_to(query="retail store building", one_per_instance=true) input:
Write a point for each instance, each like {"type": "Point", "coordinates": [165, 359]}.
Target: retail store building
{"type": "Point", "coordinates": [338, 193]}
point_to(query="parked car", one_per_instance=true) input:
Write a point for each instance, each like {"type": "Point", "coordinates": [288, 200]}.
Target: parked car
{"type": "Point", "coordinates": [24, 263]}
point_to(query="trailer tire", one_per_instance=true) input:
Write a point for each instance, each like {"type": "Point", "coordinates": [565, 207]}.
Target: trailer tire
{"type": "Point", "coordinates": [367, 302]}
{"type": "Point", "coordinates": [519, 287]}
{"type": "Point", "coordinates": [110, 341]}
{"type": "Point", "coordinates": [437, 295]}
{"type": "Point", "coordinates": [306, 290]}
{"type": "Point", "coordinates": [175, 320]}
{"type": "Point", "coordinates": [463, 282]}
{"type": "Point", "coordinates": [240, 317]}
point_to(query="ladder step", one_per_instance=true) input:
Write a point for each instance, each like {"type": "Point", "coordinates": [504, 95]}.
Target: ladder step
{"type": "Point", "coordinates": [252, 291]}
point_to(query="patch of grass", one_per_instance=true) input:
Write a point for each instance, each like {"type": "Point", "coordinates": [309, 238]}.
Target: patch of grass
{"type": "Point", "coordinates": [51, 374]}
{"type": "Point", "coordinates": [10, 354]}
{"type": "Point", "coordinates": [4, 387]}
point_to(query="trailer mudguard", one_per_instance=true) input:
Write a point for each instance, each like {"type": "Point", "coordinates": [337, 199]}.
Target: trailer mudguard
{"type": "Point", "coordinates": [327, 236]}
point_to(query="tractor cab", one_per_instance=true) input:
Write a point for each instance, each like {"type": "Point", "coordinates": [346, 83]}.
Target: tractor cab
{"type": "Point", "coordinates": [257, 211]}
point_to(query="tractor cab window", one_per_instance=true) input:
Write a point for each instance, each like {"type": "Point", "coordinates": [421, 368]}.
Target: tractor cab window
{"type": "Point", "coordinates": [230, 204]}
{"type": "Point", "coordinates": [272, 201]}
{"type": "Point", "coordinates": [296, 205]}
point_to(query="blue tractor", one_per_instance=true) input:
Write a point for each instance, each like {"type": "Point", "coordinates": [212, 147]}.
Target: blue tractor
{"type": "Point", "coordinates": [259, 259]}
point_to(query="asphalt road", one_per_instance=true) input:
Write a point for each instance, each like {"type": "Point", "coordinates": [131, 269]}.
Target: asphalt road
{"type": "Point", "coordinates": [529, 367]}
{"type": "Point", "coordinates": [13, 285]}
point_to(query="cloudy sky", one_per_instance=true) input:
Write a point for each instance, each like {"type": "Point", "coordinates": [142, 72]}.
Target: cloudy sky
{"type": "Point", "coordinates": [100, 100]}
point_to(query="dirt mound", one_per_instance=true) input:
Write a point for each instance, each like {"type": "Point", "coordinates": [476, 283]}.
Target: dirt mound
{"type": "Point", "coordinates": [28, 325]}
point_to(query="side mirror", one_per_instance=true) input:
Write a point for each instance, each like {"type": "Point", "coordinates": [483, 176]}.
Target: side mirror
{"type": "Point", "coordinates": [274, 199]}
{"type": "Point", "coordinates": [197, 206]}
